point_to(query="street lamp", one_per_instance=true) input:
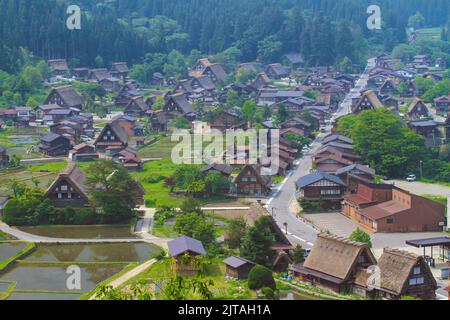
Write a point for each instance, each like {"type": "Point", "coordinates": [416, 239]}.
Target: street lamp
{"type": "Point", "coordinates": [273, 212]}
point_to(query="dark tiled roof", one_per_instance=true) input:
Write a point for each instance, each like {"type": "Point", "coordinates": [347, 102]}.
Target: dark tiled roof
{"type": "Point", "coordinates": [317, 176]}
{"type": "Point", "coordinates": [185, 244]}
{"type": "Point", "coordinates": [49, 137]}
{"type": "Point", "coordinates": [236, 262]}
{"type": "Point", "coordinates": [356, 166]}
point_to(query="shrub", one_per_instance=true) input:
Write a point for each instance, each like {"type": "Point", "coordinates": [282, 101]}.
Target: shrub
{"type": "Point", "coordinates": [311, 206]}
{"type": "Point", "coordinates": [269, 293]}
{"type": "Point", "coordinates": [260, 277]}
{"type": "Point", "coordinates": [154, 178]}
{"type": "Point", "coordinates": [163, 214]}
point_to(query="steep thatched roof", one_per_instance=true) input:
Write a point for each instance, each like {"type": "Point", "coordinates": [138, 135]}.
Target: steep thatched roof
{"type": "Point", "coordinates": [396, 267]}
{"type": "Point", "coordinates": [75, 177]}
{"type": "Point", "coordinates": [70, 97]}
{"type": "Point", "coordinates": [336, 256]}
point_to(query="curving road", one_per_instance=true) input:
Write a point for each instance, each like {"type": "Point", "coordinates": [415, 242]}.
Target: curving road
{"type": "Point", "coordinates": [282, 203]}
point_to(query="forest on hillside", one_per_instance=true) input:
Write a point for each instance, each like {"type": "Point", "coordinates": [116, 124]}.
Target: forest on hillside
{"type": "Point", "coordinates": [324, 31]}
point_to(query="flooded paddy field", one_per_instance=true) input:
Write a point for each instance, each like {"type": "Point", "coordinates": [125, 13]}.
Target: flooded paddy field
{"type": "Point", "coordinates": [54, 278]}
{"type": "Point", "coordinates": [82, 232]}
{"type": "Point", "coordinates": [10, 249]}
{"type": "Point", "coordinates": [44, 274]}
{"type": "Point", "coordinates": [114, 252]}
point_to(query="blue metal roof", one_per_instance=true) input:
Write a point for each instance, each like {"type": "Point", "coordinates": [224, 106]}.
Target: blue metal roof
{"type": "Point", "coordinates": [317, 176]}
{"type": "Point", "coordinates": [185, 244]}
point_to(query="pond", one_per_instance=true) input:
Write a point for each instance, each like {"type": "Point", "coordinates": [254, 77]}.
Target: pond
{"type": "Point", "coordinates": [114, 252]}
{"type": "Point", "coordinates": [83, 232]}
{"type": "Point", "coordinates": [291, 295]}
{"type": "Point", "coordinates": [54, 278]}
{"type": "Point", "coordinates": [43, 296]}
{"type": "Point", "coordinates": [7, 250]}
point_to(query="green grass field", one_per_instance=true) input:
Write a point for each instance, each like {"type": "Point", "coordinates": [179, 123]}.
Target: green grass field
{"type": "Point", "coordinates": [429, 33]}
{"type": "Point", "coordinates": [161, 149]}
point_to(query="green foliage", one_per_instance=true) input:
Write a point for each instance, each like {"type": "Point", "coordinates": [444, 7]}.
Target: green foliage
{"type": "Point", "coordinates": [236, 232]}
{"type": "Point", "coordinates": [248, 110]}
{"type": "Point", "coordinates": [314, 206]}
{"type": "Point", "coordinates": [257, 242]}
{"type": "Point", "coordinates": [360, 236]}
{"type": "Point", "coordinates": [298, 254]}
{"type": "Point", "coordinates": [162, 214]}
{"type": "Point", "coordinates": [191, 179]}
{"type": "Point", "coordinates": [195, 226]}
{"type": "Point", "coordinates": [300, 141]}
{"type": "Point", "coordinates": [442, 88]}
{"type": "Point", "coordinates": [416, 21]}
{"type": "Point", "coordinates": [112, 191]}
{"type": "Point", "coordinates": [261, 277]}
{"type": "Point", "coordinates": [381, 139]}
{"type": "Point", "coordinates": [180, 122]}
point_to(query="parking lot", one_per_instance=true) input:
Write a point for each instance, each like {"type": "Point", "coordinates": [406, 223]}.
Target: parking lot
{"type": "Point", "coordinates": [421, 188]}
{"type": "Point", "coordinates": [341, 226]}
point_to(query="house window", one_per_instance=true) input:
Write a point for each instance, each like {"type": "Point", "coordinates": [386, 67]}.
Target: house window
{"type": "Point", "coordinates": [417, 270]}
{"type": "Point", "coordinates": [63, 188]}
{"type": "Point", "coordinates": [390, 221]}
{"type": "Point", "coordinates": [416, 281]}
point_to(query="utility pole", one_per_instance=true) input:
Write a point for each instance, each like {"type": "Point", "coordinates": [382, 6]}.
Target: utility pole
{"type": "Point", "coordinates": [421, 171]}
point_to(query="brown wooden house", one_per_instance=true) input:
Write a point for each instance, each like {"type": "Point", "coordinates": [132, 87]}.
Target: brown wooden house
{"type": "Point", "coordinates": [336, 264]}
{"type": "Point", "coordinates": [405, 274]}
{"type": "Point", "coordinates": [68, 189]}
{"type": "Point", "coordinates": [112, 137]}
{"type": "Point", "coordinates": [136, 107]}
{"type": "Point", "coordinates": [228, 119]}
{"type": "Point", "coordinates": [331, 163]}
{"type": "Point", "coordinates": [277, 71]}
{"type": "Point", "coordinates": [418, 109]}
{"type": "Point", "coordinates": [250, 182]}
{"type": "Point", "coordinates": [368, 101]}
{"type": "Point", "coordinates": [215, 72]}
{"type": "Point", "coordinates": [237, 267]}
{"type": "Point", "coordinates": [321, 186]}
{"type": "Point", "coordinates": [183, 251]}
{"type": "Point", "coordinates": [65, 97]}
{"type": "Point", "coordinates": [83, 152]}
{"type": "Point", "coordinates": [177, 104]}
{"type": "Point", "coordinates": [54, 145]}
{"type": "Point", "coordinates": [119, 70]}
{"type": "Point", "coordinates": [442, 104]}
{"type": "Point", "coordinates": [58, 67]}
{"type": "Point", "coordinates": [353, 174]}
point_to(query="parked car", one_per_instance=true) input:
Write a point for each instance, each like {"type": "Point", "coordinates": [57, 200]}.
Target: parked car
{"type": "Point", "coordinates": [411, 178]}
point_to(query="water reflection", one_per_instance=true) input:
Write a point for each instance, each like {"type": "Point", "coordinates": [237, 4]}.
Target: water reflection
{"type": "Point", "coordinates": [114, 252]}
{"type": "Point", "coordinates": [8, 250]}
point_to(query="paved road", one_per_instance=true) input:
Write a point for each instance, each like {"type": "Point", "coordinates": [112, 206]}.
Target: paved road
{"type": "Point", "coordinates": [421, 188]}
{"type": "Point", "coordinates": [23, 236]}
{"type": "Point", "coordinates": [282, 204]}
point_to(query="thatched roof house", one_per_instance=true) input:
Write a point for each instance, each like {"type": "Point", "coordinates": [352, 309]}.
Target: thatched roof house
{"type": "Point", "coordinates": [334, 263]}
{"type": "Point", "coordinates": [405, 274]}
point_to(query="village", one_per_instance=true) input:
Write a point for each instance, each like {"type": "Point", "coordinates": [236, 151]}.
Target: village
{"type": "Point", "coordinates": [325, 225]}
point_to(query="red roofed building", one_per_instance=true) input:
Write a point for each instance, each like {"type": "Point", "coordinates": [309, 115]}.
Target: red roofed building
{"type": "Point", "coordinates": [385, 208]}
